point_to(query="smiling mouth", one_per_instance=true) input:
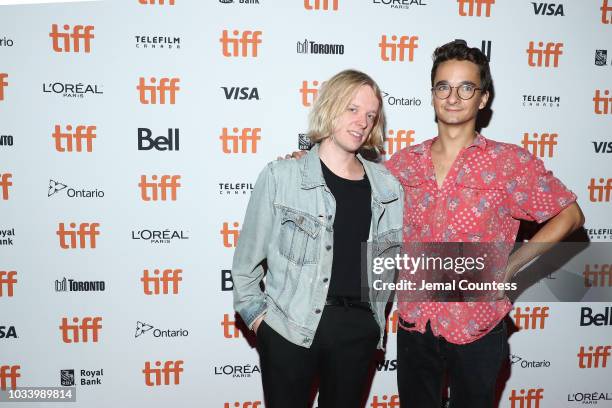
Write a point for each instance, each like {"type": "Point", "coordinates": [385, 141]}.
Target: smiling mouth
{"type": "Point", "coordinates": [356, 134]}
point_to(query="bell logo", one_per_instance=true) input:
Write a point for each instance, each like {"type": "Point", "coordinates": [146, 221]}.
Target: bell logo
{"type": "Point", "coordinates": [238, 46]}
{"type": "Point", "coordinates": [239, 140]}
{"type": "Point", "coordinates": [385, 401]}
{"type": "Point", "coordinates": [71, 142]}
{"type": "Point", "coordinates": [397, 140]}
{"type": "Point", "coordinates": [230, 330]}
{"type": "Point", "coordinates": [597, 276]}
{"type": "Point", "coordinates": [479, 4]}
{"type": "Point", "coordinates": [599, 193]}
{"type": "Point", "coordinates": [552, 49]}
{"type": "Point", "coordinates": [309, 94]}
{"type": "Point", "coordinates": [159, 191]}
{"type": "Point", "coordinates": [3, 84]}
{"type": "Point", "coordinates": [86, 230]}
{"type": "Point", "coordinates": [79, 333]}
{"type": "Point", "coordinates": [161, 375]}
{"type": "Point", "coordinates": [5, 183]}
{"type": "Point", "coordinates": [603, 104]}
{"type": "Point", "coordinates": [8, 376]}
{"type": "Point", "coordinates": [540, 145]}
{"type": "Point", "coordinates": [160, 2]}
{"type": "Point", "coordinates": [594, 359]}
{"type": "Point", "coordinates": [230, 235]}
{"type": "Point", "coordinates": [79, 34]}
{"type": "Point", "coordinates": [149, 93]}
{"type": "Point", "coordinates": [7, 283]}
{"type": "Point", "coordinates": [164, 284]}
{"type": "Point", "coordinates": [531, 319]}
{"type": "Point", "coordinates": [320, 4]}
{"type": "Point", "coordinates": [606, 12]}
{"type": "Point", "coordinates": [404, 42]}
{"type": "Point", "coordinates": [531, 399]}
{"type": "Point", "coordinates": [246, 404]}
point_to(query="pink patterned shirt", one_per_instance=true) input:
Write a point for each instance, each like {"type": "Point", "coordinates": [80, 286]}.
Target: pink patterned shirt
{"type": "Point", "coordinates": [489, 188]}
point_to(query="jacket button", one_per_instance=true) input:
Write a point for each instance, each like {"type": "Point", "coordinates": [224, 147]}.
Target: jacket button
{"type": "Point", "coordinates": [317, 311]}
{"type": "Point", "coordinates": [328, 247]}
{"type": "Point", "coordinates": [329, 217]}
{"type": "Point", "coordinates": [325, 280]}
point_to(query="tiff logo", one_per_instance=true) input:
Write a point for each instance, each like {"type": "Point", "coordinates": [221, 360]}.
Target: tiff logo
{"type": "Point", "coordinates": [80, 34]}
{"type": "Point", "coordinates": [603, 105]}
{"type": "Point", "coordinates": [159, 190]}
{"type": "Point", "coordinates": [161, 285]}
{"type": "Point", "coordinates": [594, 359]}
{"type": "Point", "coordinates": [544, 55]}
{"type": "Point", "coordinates": [83, 135]}
{"type": "Point", "coordinates": [392, 320]}
{"type": "Point", "coordinates": [592, 278]}
{"type": "Point", "coordinates": [540, 145]}
{"type": "Point", "coordinates": [9, 375]}
{"type": "Point", "coordinates": [320, 4]}
{"type": "Point", "coordinates": [246, 404]}
{"type": "Point", "coordinates": [86, 230]}
{"type": "Point", "coordinates": [600, 193]}
{"type": "Point", "coordinates": [230, 235]}
{"type": "Point", "coordinates": [161, 376]}
{"type": "Point", "coordinates": [160, 2]}
{"type": "Point", "coordinates": [230, 329]}
{"type": "Point", "coordinates": [8, 281]}
{"type": "Point", "coordinates": [309, 95]}
{"type": "Point", "coordinates": [5, 183]}
{"type": "Point", "coordinates": [385, 401]}
{"type": "Point", "coordinates": [3, 84]}
{"type": "Point", "coordinates": [239, 143]}
{"type": "Point", "coordinates": [606, 12]}
{"type": "Point", "coordinates": [531, 319]}
{"type": "Point", "coordinates": [405, 43]}
{"type": "Point", "coordinates": [79, 333]}
{"type": "Point", "coordinates": [397, 140]}
{"type": "Point", "coordinates": [238, 46]}
{"type": "Point", "coordinates": [479, 4]}
{"type": "Point", "coordinates": [522, 400]}
{"type": "Point", "coordinates": [149, 93]}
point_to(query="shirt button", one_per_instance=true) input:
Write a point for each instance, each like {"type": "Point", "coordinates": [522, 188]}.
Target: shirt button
{"type": "Point", "coordinates": [317, 311]}
{"type": "Point", "coordinates": [328, 247]}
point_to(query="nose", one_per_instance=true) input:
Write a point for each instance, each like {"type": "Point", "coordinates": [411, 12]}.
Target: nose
{"type": "Point", "coordinates": [453, 98]}
{"type": "Point", "coordinates": [362, 121]}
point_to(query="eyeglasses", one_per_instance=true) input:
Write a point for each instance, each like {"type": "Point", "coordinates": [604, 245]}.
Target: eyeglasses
{"type": "Point", "coordinates": [464, 91]}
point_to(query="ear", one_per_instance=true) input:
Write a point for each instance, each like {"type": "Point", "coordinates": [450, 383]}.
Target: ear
{"type": "Point", "coordinates": [484, 98]}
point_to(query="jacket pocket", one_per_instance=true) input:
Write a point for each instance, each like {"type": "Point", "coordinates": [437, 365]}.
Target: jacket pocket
{"type": "Point", "coordinates": [299, 238]}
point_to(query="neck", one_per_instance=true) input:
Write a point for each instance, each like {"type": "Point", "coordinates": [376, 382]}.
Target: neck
{"type": "Point", "coordinates": [340, 162]}
{"type": "Point", "coordinates": [454, 138]}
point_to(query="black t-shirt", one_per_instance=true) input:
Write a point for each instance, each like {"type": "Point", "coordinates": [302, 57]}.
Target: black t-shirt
{"type": "Point", "coordinates": [351, 229]}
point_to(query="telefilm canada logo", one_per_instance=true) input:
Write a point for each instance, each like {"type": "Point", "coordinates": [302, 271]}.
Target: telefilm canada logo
{"type": "Point", "coordinates": [165, 236]}
{"type": "Point", "coordinates": [157, 42]}
{"type": "Point", "coordinates": [539, 101]}
{"type": "Point", "coordinates": [72, 90]}
{"type": "Point", "coordinates": [143, 328]}
{"type": "Point", "coordinates": [235, 188]}
{"type": "Point", "coordinates": [57, 188]}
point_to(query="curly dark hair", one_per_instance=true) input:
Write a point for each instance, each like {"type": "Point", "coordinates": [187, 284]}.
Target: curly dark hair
{"type": "Point", "coordinates": [459, 50]}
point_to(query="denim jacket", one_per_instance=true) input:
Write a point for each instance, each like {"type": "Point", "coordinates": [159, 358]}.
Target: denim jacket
{"type": "Point", "coordinates": [289, 224]}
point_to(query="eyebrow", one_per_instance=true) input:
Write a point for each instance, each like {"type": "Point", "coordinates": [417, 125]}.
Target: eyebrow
{"type": "Point", "coordinates": [460, 83]}
{"type": "Point", "coordinates": [358, 106]}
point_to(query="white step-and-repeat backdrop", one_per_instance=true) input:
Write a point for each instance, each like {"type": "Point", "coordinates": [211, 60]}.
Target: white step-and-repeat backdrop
{"type": "Point", "coordinates": [132, 132]}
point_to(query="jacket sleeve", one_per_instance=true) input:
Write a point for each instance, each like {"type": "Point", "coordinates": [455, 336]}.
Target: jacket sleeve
{"type": "Point", "coordinates": [247, 269]}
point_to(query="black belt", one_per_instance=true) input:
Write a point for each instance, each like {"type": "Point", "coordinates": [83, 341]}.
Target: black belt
{"type": "Point", "coordinates": [347, 302]}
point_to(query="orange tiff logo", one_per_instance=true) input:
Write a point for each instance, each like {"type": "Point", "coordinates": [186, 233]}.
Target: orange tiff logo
{"type": "Point", "coordinates": [320, 5]}
{"type": "Point", "coordinates": [385, 401]}
{"type": "Point", "coordinates": [240, 141]}
{"type": "Point", "coordinates": [540, 144]}
{"type": "Point", "coordinates": [595, 277]}
{"type": "Point", "coordinates": [230, 235]}
{"type": "Point", "coordinates": [600, 193]}
{"type": "Point", "coordinates": [154, 190]}
{"type": "Point", "coordinates": [603, 104]}
{"type": "Point", "coordinates": [80, 333]}
{"type": "Point", "coordinates": [164, 284]}
{"type": "Point", "coordinates": [5, 183]}
{"type": "Point", "coordinates": [397, 140]}
{"type": "Point", "coordinates": [538, 56]}
{"type": "Point", "coordinates": [593, 357]}
{"type": "Point", "coordinates": [161, 375]}
{"type": "Point", "coordinates": [160, 2]}
{"type": "Point", "coordinates": [531, 319]}
{"type": "Point", "coordinates": [245, 404]}
{"type": "Point", "coordinates": [8, 281]}
{"type": "Point", "coordinates": [479, 5]}
{"type": "Point", "coordinates": [3, 84]}
{"type": "Point", "coordinates": [240, 45]}
{"type": "Point", "coordinates": [71, 41]}
{"type": "Point", "coordinates": [606, 12]}
{"type": "Point", "coordinates": [389, 49]}
{"type": "Point", "coordinates": [526, 398]}
{"type": "Point", "coordinates": [87, 233]}
{"type": "Point", "coordinates": [309, 94]}
{"type": "Point", "coordinates": [69, 141]}
{"type": "Point", "coordinates": [9, 375]}
{"type": "Point", "coordinates": [230, 329]}
{"type": "Point", "coordinates": [156, 94]}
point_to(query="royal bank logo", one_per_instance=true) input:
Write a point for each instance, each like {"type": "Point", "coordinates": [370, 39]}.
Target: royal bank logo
{"type": "Point", "coordinates": [58, 188]}
{"type": "Point", "coordinates": [67, 377]}
{"type": "Point", "coordinates": [304, 142]}
{"type": "Point", "coordinates": [157, 42]}
{"type": "Point", "coordinates": [88, 377]}
{"type": "Point", "coordinates": [312, 47]}
{"type": "Point", "coordinates": [601, 58]}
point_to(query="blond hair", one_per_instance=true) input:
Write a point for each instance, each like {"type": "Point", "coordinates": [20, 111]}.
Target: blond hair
{"type": "Point", "coordinates": [334, 97]}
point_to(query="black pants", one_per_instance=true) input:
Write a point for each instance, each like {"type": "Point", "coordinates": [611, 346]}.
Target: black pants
{"type": "Point", "coordinates": [341, 354]}
{"type": "Point", "coordinates": [472, 368]}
